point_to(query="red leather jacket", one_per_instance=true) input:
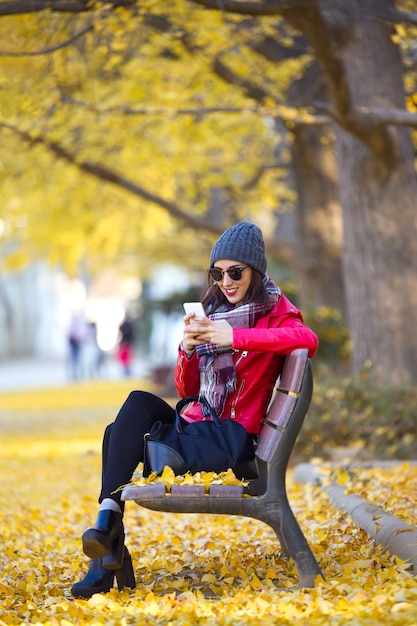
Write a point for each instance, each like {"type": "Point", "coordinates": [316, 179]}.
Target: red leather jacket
{"type": "Point", "coordinates": [258, 356]}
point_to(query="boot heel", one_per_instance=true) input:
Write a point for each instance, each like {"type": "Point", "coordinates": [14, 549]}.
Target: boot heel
{"type": "Point", "coordinates": [125, 576]}
{"type": "Point", "coordinates": [114, 560]}
{"type": "Point", "coordinates": [95, 545]}
{"type": "Point", "coordinates": [129, 573]}
{"type": "Point", "coordinates": [98, 541]}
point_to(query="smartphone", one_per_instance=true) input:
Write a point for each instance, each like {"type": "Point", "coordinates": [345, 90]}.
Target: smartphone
{"type": "Point", "coordinates": [194, 307]}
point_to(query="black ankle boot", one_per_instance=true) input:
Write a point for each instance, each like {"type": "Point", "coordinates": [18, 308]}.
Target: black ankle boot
{"type": "Point", "coordinates": [106, 539]}
{"type": "Point", "coordinates": [100, 580]}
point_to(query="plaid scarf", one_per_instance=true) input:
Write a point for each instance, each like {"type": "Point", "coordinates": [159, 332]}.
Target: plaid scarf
{"type": "Point", "coordinates": [216, 365]}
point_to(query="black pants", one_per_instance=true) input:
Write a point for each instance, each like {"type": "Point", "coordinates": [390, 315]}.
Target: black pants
{"type": "Point", "coordinates": [123, 440]}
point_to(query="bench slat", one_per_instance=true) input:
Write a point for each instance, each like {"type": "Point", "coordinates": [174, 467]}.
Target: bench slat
{"type": "Point", "coordinates": [282, 406]}
{"type": "Point", "coordinates": [293, 372]}
{"type": "Point", "coordinates": [143, 492]}
{"type": "Point", "coordinates": [226, 491]}
{"type": "Point", "coordinates": [268, 442]}
{"type": "Point", "coordinates": [281, 409]}
{"type": "Point", "coordinates": [189, 491]}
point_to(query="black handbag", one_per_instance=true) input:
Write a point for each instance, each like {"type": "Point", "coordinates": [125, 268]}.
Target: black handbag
{"type": "Point", "coordinates": [212, 445]}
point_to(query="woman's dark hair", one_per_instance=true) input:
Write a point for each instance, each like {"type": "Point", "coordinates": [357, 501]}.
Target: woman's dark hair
{"type": "Point", "coordinates": [213, 297]}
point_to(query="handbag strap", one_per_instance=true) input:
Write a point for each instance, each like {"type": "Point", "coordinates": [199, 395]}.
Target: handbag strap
{"type": "Point", "coordinates": [187, 400]}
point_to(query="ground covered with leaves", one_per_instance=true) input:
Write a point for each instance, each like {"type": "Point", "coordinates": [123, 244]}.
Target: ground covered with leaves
{"type": "Point", "coordinates": [191, 569]}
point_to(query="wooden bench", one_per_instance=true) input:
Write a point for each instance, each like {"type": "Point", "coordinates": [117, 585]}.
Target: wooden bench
{"type": "Point", "coordinates": [266, 497]}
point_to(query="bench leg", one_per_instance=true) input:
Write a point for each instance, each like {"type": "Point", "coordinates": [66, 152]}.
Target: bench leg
{"type": "Point", "coordinates": [282, 520]}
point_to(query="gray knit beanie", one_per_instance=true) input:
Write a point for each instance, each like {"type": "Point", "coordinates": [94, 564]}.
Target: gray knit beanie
{"type": "Point", "coordinates": [242, 242]}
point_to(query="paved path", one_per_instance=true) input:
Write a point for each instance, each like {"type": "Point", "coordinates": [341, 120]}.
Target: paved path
{"type": "Point", "coordinates": [36, 373]}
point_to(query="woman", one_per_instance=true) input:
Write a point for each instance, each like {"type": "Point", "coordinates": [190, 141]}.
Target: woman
{"type": "Point", "coordinates": [232, 357]}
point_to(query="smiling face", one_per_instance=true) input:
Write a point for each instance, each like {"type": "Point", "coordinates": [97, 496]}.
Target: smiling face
{"type": "Point", "coordinates": [234, 290]}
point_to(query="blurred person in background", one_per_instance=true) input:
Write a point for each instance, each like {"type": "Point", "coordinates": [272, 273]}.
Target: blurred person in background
{"type": "Point", "coordinates": [94, 356]}
{"type": "Point", "coordinates": [76, 335]}
{"type": "Point", "coordinates": [125, 349]}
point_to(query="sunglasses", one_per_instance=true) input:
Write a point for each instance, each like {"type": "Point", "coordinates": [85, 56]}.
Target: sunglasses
{"type": "Point", "coordinates": [235, 273]}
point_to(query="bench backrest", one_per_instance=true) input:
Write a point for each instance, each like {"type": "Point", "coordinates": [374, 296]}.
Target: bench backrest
{"type": "Point", "coordinates": [294, 389]}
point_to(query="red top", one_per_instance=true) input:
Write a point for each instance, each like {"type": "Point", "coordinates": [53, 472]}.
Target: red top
{"type": "Point", "coordinates": [258, 357]}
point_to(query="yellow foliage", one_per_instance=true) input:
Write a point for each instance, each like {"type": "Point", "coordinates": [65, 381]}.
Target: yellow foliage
{"type": "Point", "coordinates": [191, 569]}
{"type": "Point", "coordinates": [200, 478]}
{"type": "Point", "coordinates": [113, 97]}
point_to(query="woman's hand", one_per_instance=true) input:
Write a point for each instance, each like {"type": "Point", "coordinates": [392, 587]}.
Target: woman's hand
{"type": "Point", "coordinates": [200, 330]}
{"type": "Point", "coordinates": [192, 327]}
{"type": "Point", "coordinates": [217, 332]}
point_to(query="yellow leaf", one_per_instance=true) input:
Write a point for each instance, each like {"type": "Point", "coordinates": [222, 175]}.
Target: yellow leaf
{"type": "Point", "coordinates": [229, 478]}
{"type": "Point", "coordinates": [209, 578]}
{"type": "Point", "coordinates": [270, 573]}
{"type": "Point", "coordinates": [168, 477]}
{"type": "Point", "coordinates": [187, 479]}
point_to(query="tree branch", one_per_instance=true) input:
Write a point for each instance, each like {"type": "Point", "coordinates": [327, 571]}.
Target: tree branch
{"type": "Point", "coordinates": [369, 116]}
{"type": "Point", "coordinates": [389, 117]}
{"type": "Point", "coordinates": [324, 34]}
{"type": "Point", "coordinates": [250, 89]}
{"type": "Point", "coordinates": [63, 44]}
{"type": "Point", "coordinates": [280, 7]}
{"type": "Point", "coordinates": [252, 182]}
{"type": "Point", "coordinates": [395, 16]}
{"type": "Point", "coordinates": [280, 249]}
{"type": "Point", "coordinates": [103, 173]}
{"type": "Point", "coordinates": [125, 109]}
{"type": "Point", "coordinates": [274, 7]}
{"type": "Point", "coordinates": [20, 7]}
{"type": "Point", "coordinates": [320, 113]}
{"type": "Point", "coordinates": [285, 113]}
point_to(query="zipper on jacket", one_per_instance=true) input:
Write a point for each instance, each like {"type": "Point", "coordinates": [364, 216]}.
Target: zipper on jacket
{"type": "Point", "coordinates": [233, 409]}
{"type": "Point", "coordinates": [242, 356]}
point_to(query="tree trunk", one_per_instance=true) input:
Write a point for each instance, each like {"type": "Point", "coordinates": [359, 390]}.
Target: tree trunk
{"type": "Point", "coordinates": [377, 184]}
{"type": "Point", "coordinates": [318, 215]}
{"type": "Point", "coordinates": [378, 193]}
{"type": "Point", "coordinates": [380, 258]}
{"type": "Point", "coordinates": [318, 219]}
